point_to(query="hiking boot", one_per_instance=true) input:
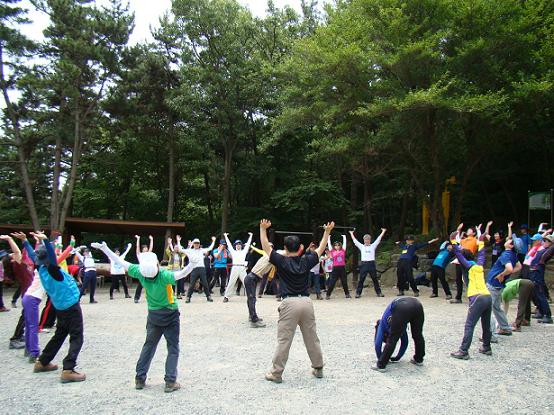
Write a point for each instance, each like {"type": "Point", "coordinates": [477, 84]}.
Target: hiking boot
{"type": "Point", "coordinates": [273, 378]}
{"type": "Point", "coordinates": [449, 297]}
{"type": "Point", "coordinates": [39, 367]}
{"type": "Point", "coordinates": [172, 387]}
{"type": "Point", "coordinates": [413, 362]}
{"type": "Point", "coordinates": [187, 300]}
{"type": "Point", "coordinates": [455, 301]}
{"type": "Point", "coordinates": [460, 355]}
{"type": "Point", "coordinates": [503, 332]}
{"type": "Point", "coordinates": [139, 384]}
{"type": "Point", "coordinates": [484, 351]}
{"type": "Point", "coordinates": [525, 323]}
{"type": "Point", "coordinates": [433, 295]}
{"type": "Point", "coordinates": [317, 372]}
{"type": "Point", "coordinates": [257, 324]}
{"type": "Point", "coordinates": [400, 293]}
{"type": "Point", "coordinates": [416, 293]}
{"type": "Point", "coordinates": [546, 320]}
{"type": "Point", "coordinates": [17, 344]}
{"type": "Point", "coordinates": [378, 369]}
{"type": "Point", "coordinates": [72, 376]}
{"type": "Point", "coordinates": [209, 299]}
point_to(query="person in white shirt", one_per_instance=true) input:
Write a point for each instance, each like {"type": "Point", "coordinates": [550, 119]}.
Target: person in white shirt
{"type": "Point", "coordinates": [238, 270]}
{"type": "Point", "coordinates": [117, 273]}
{"type": "Point", "coordinates": [367, 262]}
{"type": "Point", "coordinates": [196, 262]}
{"type": "Point", "coordinates": [89, 280]}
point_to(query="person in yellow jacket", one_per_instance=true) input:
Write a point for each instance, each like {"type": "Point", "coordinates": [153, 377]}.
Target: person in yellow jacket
{"type": "Point", "coordinates": [480, 301]}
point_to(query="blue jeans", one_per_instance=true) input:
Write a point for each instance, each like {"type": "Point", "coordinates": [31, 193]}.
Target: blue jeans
{"type": "Point", "coordinates": [498, 314]}
{"type": "Point", "coordinates": [539, 293]}
{"type": "Point", "coordinates": [160, 322]}
{"type": "Point", "coordinates": [315, 282]}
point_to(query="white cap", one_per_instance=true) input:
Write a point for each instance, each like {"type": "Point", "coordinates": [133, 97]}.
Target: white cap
{"type": "Point", "coordinates": [148, 264]}
{"type": "Point", "coordinates": [196, 241]}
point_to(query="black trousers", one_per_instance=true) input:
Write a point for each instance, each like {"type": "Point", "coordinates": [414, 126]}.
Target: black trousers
{"type": "Point", "coordinates": [198, 273]}
{"type": "Point", "coordinates": [115, 283]}
{"type": "Point", "coordinates": [19, 329]}
{"type": "Point", "coordinates": [1, 294]}
{"type": "Point", "coordinates": [16, 294]}
{"type": "Point", "coordinates": [368, 267]}
{"type": "Point", "coordinates": [438, 273]}
{"type": "Point", "coordinates": [405, 274]}
{"type": "Point", "coordinates": [406, 310]}
{"type": "Point", "coordinates": [48, 315]}
{"type": "Point", "coordinates": [250, 282]}
{"type": "Point", "coordinates": [70, 323]}
{"type": "Point", "coordinates": [219, 275]}
{"type": "Point", "coordinates": [89, 281]}
{"type": "Point", "coordinates": [338, 272]}
{"type": "Point", "coordinates": [459, 282]}
{"type": "Point", "coordinates": [138, 291]}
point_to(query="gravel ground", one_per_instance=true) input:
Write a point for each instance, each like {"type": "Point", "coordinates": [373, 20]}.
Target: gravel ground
{"type": "Point", "coordinates": [223, 362]}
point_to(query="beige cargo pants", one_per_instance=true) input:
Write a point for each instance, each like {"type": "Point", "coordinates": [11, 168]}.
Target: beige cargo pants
{"type": "Point", "coordinates": [296, 311]}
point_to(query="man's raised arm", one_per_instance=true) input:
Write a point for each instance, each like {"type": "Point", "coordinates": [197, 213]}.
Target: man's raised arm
{"type": "Point", "coordinates": [264, 226]}
{"type": "Point", "coordinates": [110, 254]}
{"type": "Point", "coordinates": [328, 228]}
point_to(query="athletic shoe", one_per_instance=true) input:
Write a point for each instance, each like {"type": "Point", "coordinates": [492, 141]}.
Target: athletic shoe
{"type": "Point", "coordinates": [259, 319]}
{"type": "Point", "coordinates": [484, 351]}
{"type": "Point", "coordinates": [455, 301]}
{"type": "Point", "coordinates": [449, 297]}
{"type": "Point", "coordinates": [348, 296]}
{"type": "Point", "coordinates": [327, 297]}
{"type": "Point", "coordinates": [72, 376]}
{"type": "Point", "coordinates": [260, 296]}
{"type": "Point", "coordinates": [187, 300]}
{"type": "Point", "coordinates": [273, 378]}
{"type": "Point", "coordinates": [209, 299]}
{"type": "Point", "coordinates": [358, 295]}
{"type": "Point", "coordinates": [111, 298]}
{"type": "Point", "coordinates": [179, 297]}
{"type": "Point", "coordinates": [317, 372]}
{"type": "Point", "coordinates": [433, 295]}
{"type": "Point", "coordinates": [4, 310]}
{"type": "Point", "coordinates": [94, 302]}
{"type": "Point", "coordinates": [503, 332]}
{"type": "Point", "coordinates": [537, 316]}
{"type": "Point", "coordinates": [378, 369]}
{"type": "Point", "coordinates": [136, 301]}
{"type": "Point", "coordinates": [416, 293]}
{"type": "Point", "coordinates": [225, 300]}
{"type": "Point", "coordinates": [17, 344]}
{"type": "Point", "coordinates": [172, 387]}
{"type": "Point", "coordinates": [319, 297]}
{"type": "Point", "coordinates": [400, 293]}
{"type": "Point", "coordinates": [257, 324]}
{"type": "Point", "coordinates": [413, 362]}
{"type": "Point", "coordinates": [460, 355]}
{"type": "Point", "coordinates": [127, 296]}
{"type": "Point", "coordinates": [139, 384]}
{"type": "Point", "coordinates": [380, 295]}
{"type": "Point", "coordinates": [279, 299]}
{"type": "Point", "coordinates": [39, 367]}
{"type": "Point", "coordinates": [546, 320]}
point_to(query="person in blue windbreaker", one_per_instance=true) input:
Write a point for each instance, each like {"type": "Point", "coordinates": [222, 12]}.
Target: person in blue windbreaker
{"type": "Point", "coordinates": [438, 270]}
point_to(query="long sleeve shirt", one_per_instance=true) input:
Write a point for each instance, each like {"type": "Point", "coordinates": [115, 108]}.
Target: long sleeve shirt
{"type": "Point", "coordinates": [475, 278]}
{"type": "Point", "coordinates": [384, 328]}
{"type": "Point", "coordinates": [443, 258]}
{"type": "Point", "coordinates": [367, 251]}
{"type": "Point", "coordinates": [239, 257]}
{"type": "Point", "coordinates": [409, 250]}
{"type": "Point", "coordinates": [88, 261]}
{"type": "Point", "coordinates": [115, 267]}
{"type": "Point", "coordinates": [196, 256]}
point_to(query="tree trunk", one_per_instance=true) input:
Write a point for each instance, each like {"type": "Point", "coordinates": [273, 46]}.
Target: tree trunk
{"type": "Point", "coordinates": [54, 203]}
{"type": "Point", "coordinates": [226, 186]}
{"type": "Point", "coordinates": [209, 202]}
{"type": "Point", "coordinates": [470, 167]}
{"type": "Point", "coordinates": [67, 195]}
{"type": "Point", "coordinates": [22, 158]}
{"type": "Point", "coordinates": [403, 215]}
{"type": "Point", "coordinates": [437, 178]}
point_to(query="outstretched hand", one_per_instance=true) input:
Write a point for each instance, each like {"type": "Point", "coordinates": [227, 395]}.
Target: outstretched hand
{"type": "Point", "coordinates": [39, 235]}
{"type": "Point", "coordinates": [460, 227]}
{"type": "Point", "coordinates": [265, 224]}
{"type": "Point", "coordinates": [5, 237]}
{"type": "Point", "coordinates": [510, 224]}
{"type": "Point", "coordinates": [329, 226]}
{"type": "Point", "coordinates": [99, 246]}
{"type": "Point", "coordinates": [19, 235]}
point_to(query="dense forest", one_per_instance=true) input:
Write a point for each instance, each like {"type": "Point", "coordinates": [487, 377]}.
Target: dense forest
{"type": "Point", "coordinates": [362, 113]}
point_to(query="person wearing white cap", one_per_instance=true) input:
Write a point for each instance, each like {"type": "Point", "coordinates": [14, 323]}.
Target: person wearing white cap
{"type": "Point", "coordinates": [238, 270]}
{"type": "Point", "coordinates": [196, 256]}
{"type": "Point", "coordinates": [163, 313]}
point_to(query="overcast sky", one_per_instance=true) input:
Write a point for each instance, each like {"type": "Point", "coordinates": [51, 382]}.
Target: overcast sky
{"type": "Point", "coordinates": [147, 13]}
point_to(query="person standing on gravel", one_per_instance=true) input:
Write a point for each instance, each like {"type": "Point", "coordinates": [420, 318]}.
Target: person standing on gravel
{"type": "Point", "coordinates": [296, 308]}
{"type": "Point", "coordinates": [163, 313]}
{"type": "Point", "coordinates": [404, 271]}
{"type": "Point", "coordinates": [196, 256]}
{"type": "Point", "coordinates": [367, 261]}
{"type": "Point", "coordinates": [392, 327]}
{"type": "Point", "coordinates": [238, 270]}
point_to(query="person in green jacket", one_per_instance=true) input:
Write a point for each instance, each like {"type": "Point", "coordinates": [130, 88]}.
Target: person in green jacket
{"type": "Point", "coordinates": [163, 313]}
{"type": "Point", "coordinates": [524, 288]}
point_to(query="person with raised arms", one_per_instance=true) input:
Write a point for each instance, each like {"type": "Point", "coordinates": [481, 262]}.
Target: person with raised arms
{"type": "Point", "coordinates": [338, 254]}
{"type": "Point", "coordinates": [296, 308]}
{"type": "Point", "coordinates": [163, 313]}
{"type": "Point", "coordinates": [238, 270]}
{"type": "Point", "coordinates": [196, 256]}
{"type": "Point", "coordinates": [142, 250]}
{"type": "Point", "coordinates": [367, 261]}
